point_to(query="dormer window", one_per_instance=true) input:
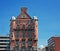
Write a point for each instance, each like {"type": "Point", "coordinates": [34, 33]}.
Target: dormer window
{"type": "Point", "coordinates": [24, 16]}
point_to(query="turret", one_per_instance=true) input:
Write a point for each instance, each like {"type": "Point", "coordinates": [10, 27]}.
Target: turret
{"type": "Point", "coordinates": [13, 22]}
{"type": "Point", "coordinates": [13, 18]}
{"type": "Point", "coordinates": [36, 26]}
{"type": "Point", "coordinates": [13, 26]}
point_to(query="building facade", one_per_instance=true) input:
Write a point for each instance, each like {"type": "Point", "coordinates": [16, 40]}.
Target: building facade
{"type": "Point", "coordinates": [23, 32]}
{"type": "Point", "coordinates": [4, 43]}
{"type": "Point", "coordinates": [54, 43]}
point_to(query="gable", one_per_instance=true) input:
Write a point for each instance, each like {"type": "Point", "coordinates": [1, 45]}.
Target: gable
{"type": "Point", "coordinates": [24, 16]}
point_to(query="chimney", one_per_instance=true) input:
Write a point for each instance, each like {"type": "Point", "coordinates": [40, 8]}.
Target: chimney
{"type": "Point", "coordinates": [23, 9]}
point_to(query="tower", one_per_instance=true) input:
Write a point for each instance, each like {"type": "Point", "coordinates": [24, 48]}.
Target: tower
{"type": "Point", "coordinates": [23, 32]}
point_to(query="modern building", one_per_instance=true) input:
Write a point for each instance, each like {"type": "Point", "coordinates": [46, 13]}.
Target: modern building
{"type": "Point", "coordinates": [4, 43]}
{"type": "Point", "coordinates": [43, 49]}
{"type": "Point", "coordinates": [23, 32]}
{"type": "Point", "coordinates": [46, 48]}
{"type": "Point", "coordinates": [54, 43]}
{"type": "Point", "coordinates": [38, 49]}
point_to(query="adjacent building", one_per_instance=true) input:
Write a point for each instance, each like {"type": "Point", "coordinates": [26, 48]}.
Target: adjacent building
{"type": "Point", "coordinates": [38, 49]}
{"type": "Point", "coordinates": [46, 48]}
{"type": "Point", "coordinates": [54, 43]}
{"type": "Point", "coordinates": [4, 43]}
{"type": "Point", "coordinates": [43, 49]}
{"type": "Point", "coordinates": [23, 32]}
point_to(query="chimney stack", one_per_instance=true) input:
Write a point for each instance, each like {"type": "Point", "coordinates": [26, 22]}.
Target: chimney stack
{"type": "Point", "coordinates": [23, 9]}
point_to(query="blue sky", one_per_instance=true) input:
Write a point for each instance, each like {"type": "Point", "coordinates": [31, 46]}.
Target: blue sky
{"type": "Point", "coordinates": [47, 11]}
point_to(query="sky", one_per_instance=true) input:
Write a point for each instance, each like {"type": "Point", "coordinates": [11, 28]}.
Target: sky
{"type": "Point", "coordinates": [47, 11]}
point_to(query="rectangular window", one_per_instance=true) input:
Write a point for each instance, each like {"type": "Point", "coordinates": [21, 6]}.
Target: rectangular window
{"type": "Point", "coordinates": [17, 42]}
{"type": "Point", "coordinates": [23, 42]}
{"type": "Point", "coordinates": [30, 42]}
{"type": "Point", "coordinates": [18, 27]}
{"type": "Point", "coordinates": [17, 34]}
{"type": "Point", "coordinates": [18, 21]}
{"type": "Point", "coordinates": [23, 49]}
{"type": "Point", "coordinates": [29, 21]}
{"type": "Point", "coordinates": [29, 26]}
{"type": "Point", "coordinates": [29, 34]}
{"type": "Point", "coordinates": [23, 33]}
{"type": "Point", "coordinates": [29, 49]}
{"type": "Point", "coordinates": [16, 48]}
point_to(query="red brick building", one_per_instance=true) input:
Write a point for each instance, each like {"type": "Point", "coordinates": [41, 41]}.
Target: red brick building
{"type": "Point", "coordinates": [23, 32]}
{"type": "Point", "coordinates": [54, 44]}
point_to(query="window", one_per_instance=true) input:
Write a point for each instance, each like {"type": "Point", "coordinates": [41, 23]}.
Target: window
{"type": "Point", "coordinates": [29, 21]}
{"type": "Point", "coordinates": [18, 21]}
{"type": "Point", "coordinates": [29, 34]}
{"type": "Point", "coordinates": [29, 27]}
{"type": "Point", "coordinates": [23, 31]}
{"type": "Point", "coordinates": [23, 27]}
{"type": "Point", "coordinates": [17, 34]}
{"type": "Point", "coordinates": [23, 49]}
{"type": "Point", "coordinates": [29, 49]}
{"type": "Point", "coordinates": [30, 42]}
{"type": "Point", "coordinates": [32, 27]}
{"type": "Point", "coordinates": [11, 36]}
{"type": "Point", "coordinates": [18, 27]}
{"type": "Point", "coordinates": [24, 16]}
{"type": "Point", "coordinates": [4, 43]}
{"type": "Point", "coordinates": [17, 42]}
{"type": "Point", "coordinates": [16, 48]}
{"type": "Point", "coordinates": [23, 42]}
